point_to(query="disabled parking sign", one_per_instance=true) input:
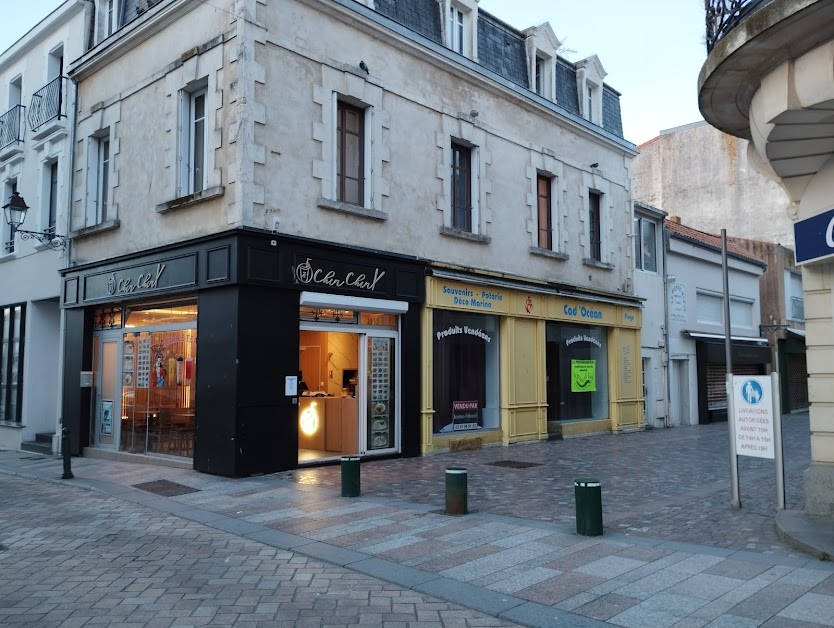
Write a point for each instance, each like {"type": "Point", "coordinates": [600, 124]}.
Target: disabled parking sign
{"type": "Point", "coordinates": [753, 414]}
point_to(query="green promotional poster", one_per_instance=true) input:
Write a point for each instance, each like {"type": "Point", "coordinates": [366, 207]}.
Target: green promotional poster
{"type": "Point", "coordinates": [583, 375]}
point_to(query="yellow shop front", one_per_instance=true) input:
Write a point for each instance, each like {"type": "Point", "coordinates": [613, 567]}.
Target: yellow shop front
{"type": "Point", "coordinates": [506, 363]}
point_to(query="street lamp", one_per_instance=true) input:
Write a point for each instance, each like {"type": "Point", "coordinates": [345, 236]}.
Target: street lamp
{"type": "Point", "coordinates": [15, 213]}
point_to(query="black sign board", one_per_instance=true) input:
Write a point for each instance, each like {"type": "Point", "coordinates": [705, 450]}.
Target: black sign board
{"type": "Point", "coordinates": [141, 280]}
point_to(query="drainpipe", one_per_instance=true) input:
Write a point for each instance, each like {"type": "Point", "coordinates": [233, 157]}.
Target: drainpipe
{"type": "Point", "coordinates": [667, 420]}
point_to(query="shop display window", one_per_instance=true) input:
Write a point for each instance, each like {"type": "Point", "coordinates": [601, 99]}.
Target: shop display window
{"type": "Point", "coordinates": [158, 391]}
{"type": "Point", "coordinates": [577, 372]}
{"type": "Point", "coordinates": [466, 375]}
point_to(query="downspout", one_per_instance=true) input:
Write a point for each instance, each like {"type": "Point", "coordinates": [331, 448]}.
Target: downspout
{"type": "Point", "coordinates": [667, 420]}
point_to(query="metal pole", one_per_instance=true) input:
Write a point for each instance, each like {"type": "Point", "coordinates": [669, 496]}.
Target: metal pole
{"type": "Point", "coordinates": [777, 441]}
{"type": "Point", "coordinates": [65, 450]}
{"type": "Point", "coordinates": [735, 500]}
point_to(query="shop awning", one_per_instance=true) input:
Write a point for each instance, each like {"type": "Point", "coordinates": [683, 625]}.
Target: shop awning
{"type": "Point", "coordinates": [387, 306]}
{"type": "Point", "coordinates": [796, 332]}
{"type": "Point", "coordinates": [705, 336]}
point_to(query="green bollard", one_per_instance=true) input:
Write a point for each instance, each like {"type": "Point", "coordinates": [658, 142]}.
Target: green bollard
{"type": "Point", "coordinates": [588, 494]}
{"type": "Point", "coordinates": [456, 491]}
{"type": "Point", "coordinates": [350, 476]}
{"type": "Point", "coordinates": [65, 451]}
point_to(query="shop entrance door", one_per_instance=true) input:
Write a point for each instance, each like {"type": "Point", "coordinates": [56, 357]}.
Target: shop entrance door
{"type": "Point", "coordinates": [107, 402]}
{"type": "Point", "coordinates": [348, 403]}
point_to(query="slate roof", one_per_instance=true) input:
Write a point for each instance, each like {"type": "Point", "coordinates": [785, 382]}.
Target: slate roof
{"type": "Point", "coordinates": [501, 49]}
{"type": "Point", "coordinates": [711, 241]}
{"type": "Point", "coordinates": [421, 16]}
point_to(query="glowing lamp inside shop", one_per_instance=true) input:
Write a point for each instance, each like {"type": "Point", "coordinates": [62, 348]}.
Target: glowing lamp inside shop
{"type": "Point", "coordinates": [310, 420]}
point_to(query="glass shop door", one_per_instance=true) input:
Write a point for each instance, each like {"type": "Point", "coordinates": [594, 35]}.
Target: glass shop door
{"type": "Point", "coordinates": [106, 395]}
{"type": "Point", "coordinates": [381, 431]}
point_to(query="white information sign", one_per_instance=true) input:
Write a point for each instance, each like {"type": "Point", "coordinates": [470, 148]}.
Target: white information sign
{"type": "Point", "coordinates": [753, 414]}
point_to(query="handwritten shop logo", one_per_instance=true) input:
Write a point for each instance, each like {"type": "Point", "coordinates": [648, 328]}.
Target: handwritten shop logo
{"type": "Point", "coordinates": [306, 273]}
{"type": "Point", "coordinates": [127, 285]}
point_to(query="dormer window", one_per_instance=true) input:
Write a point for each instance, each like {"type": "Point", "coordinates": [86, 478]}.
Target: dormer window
{"type": "Point", "coordinates": [589, 77]}
{"type": "Point", "coordinates": [460, 26]}
{"type": "Point", "coordinates": [456, 29]}
{"type": "Point", "coordinates": [542, 46]}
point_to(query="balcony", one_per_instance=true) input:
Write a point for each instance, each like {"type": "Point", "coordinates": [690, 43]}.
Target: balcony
{"type": "Point", "coordinates": [11, 131]}
{"type": "Point", "coordinates": [761, 82]}
{"type": "Point", "coordinates": [47, 109]}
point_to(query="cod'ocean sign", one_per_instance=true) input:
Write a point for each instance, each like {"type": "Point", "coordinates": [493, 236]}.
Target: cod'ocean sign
{"type": "Point", "coordinates": [814, 238]}
{"type": "Point", "coordinates": [366, 279]}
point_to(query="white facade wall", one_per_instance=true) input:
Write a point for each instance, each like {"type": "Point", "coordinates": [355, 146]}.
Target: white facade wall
{"type": "Point", "coordinates": [271, 94]}
{"type": "Point", "coordinates": [705, 177]}
{"type": "Point", "coordinates": [29, 274]}
{"type": "Point", "coordinates": [650, 286]}
{"type": "Point", "coordinates": [693, 269]}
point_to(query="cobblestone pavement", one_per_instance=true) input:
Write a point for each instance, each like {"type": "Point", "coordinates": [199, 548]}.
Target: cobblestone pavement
{"type": "Point", "coordinates": [77, 558]}
{"type": "Point", "coordinates": [673, 554]}
{"type": "Point", "coordinates": [670, 484]}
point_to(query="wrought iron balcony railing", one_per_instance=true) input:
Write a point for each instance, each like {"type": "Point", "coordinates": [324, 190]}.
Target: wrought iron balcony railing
{"type": "Point", "coordinates": [724, 15]}
{"type": "Point", "coordinates": [47, 104]}
{"type": "Point", "coordinates": [797, 309]}
{"type": "Point", "coordinates": [11, 126]}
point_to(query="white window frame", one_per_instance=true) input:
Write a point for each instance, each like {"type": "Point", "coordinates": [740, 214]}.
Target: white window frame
{"type": "Point", "coordinates": [457, 30]}
{"type": "Point", "coordinates": [640, 262]}
{"type": "Point", "coordinates": [368, 156]}
{"type": "Point", "coordinates": [790, 277]}
{"type": "Point", "coordinates": [737, 302]}
{"type": "Point", "coordinates": [15, 92]}
{"type": "Point", "coordinates": [47, 195]}
{"type": "Point", "coordinates": [700, 295]}
{"type": "Point", "coordinates": [187, 183]}
{"type": "Point", "coordinates": [99, 179]}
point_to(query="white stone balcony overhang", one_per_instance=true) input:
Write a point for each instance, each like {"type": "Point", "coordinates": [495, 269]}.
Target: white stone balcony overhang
{"type": "Point", "coordinates": [761, 82]}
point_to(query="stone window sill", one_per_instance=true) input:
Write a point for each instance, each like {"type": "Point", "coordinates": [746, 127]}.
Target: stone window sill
{"type": "Point", "coordinates": [191, 199]}
{"type": "Point", "coordinates": [107, 225]}
{"type": "Point", "coordinates": [451, 232]}
{"type": "Point", "coordinates": [353, 210]}
{"type": "Point", "coordinates": [598, 264]}
{"type": "Point", "coordinates": [536, 250]}
{"type": "Point", "coordinates": [13, 424]}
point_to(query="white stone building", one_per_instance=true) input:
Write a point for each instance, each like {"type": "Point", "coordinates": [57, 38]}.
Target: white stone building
{"type": "Point", "coordinates": [409, 206]}
{"type": "Point", "coordinates": [650, 285]}
{"type": "Point", "coordinates": [697, 355]}
{"type": "Point", "coordinates": [36, 126]}
{"type": "Point", "coordinates": [706, 177]}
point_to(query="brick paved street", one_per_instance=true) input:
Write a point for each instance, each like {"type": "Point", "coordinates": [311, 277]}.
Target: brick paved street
{"type": "Point", "coordinates": [671, 484]}
{"type": "Point", "coordinates": [287, 549]}
{"type": "Point", "coordinates": [77, 558]}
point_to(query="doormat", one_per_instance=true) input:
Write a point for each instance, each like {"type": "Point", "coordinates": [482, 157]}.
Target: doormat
{"type": "Point", "coordinates": [165, 488]}
{"type": "Point", "coordinates": [515, 464]}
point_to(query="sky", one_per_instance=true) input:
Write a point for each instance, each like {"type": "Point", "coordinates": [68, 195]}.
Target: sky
{"type": "Point", "coordinates": [652, 50]}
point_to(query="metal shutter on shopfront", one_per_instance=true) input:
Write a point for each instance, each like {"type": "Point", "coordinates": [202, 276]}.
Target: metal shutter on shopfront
{"type": "Point", "coordinates": [716, 382]}
{"type": "Point", "coordinates": [797, 381]}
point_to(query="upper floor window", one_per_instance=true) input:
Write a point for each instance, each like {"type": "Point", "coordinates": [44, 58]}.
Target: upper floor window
{"type": "Point", "coordinates": [461, 187]}
{"type": "Point", "coordinates": [545, 215]}
{"type": "Point", "coordinates": [539, 76]}
{"type": "Point", "coordinates": [794, 296]}
{"type": "Point", "coordinates": [15, 91]}
{"type": "Point", "coordinates": [589, 103]}
{"type": "Point", "coordinates": [456, 32]}
{"type": "Point", "coordinates": [645, 245]}
{"type": "Point", "coordinates": [98, 178]}
{"type": "Point", "coordinates": [51, 197]}
{"type": "Point", "coordinates": [350, 153]}
{"type": "Point", "coordinates": [193, 142]}
{"type": "Point", "coordinates": [709, 308]}
{"type": "Point", "coordinates": [594, 226]}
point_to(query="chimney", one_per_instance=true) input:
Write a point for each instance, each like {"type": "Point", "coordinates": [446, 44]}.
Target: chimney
{"type": "Point", "coordinates": [675, 219]}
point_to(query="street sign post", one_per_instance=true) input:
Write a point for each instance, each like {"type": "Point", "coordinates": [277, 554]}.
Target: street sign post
{"type": "Point", "coordinates": [757, 424]}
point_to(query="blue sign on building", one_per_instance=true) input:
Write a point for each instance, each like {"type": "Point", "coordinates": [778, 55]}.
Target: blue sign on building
{"type": "Point", "coordinates": [814, 237]}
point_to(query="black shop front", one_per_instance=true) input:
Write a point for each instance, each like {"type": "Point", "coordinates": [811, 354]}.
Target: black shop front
{"type": "Point", "coordinates": [244, 353]}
